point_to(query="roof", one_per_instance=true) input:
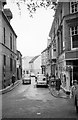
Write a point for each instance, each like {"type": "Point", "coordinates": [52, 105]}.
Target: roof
{"type": "Point", "coordinates": [44, 50]}
{"type": "Point", "coordinates": [34, 58]}
{"type": "Point", "coordinates": [18, 52]}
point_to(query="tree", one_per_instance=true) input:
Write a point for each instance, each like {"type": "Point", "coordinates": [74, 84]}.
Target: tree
{"type": "Point", "coordinates": [33, 5]}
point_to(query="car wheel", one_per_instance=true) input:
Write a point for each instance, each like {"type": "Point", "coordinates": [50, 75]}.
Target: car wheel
{"type": "Point", "coordinates": [23, 82]}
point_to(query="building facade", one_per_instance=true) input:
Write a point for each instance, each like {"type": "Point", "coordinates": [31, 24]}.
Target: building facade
{"type": "Point", "coordinates": [53, 48]}
{"type": "Point", "coordinates": [25, 64]}
{"type": "Point", "coordinates": [19, 65]}
{"type": "Point", "coordinates": [48, 62]}
{"type": "Point", "coordinates": [44, 61]}
{"type": "Point", "coordinates": [7, 47]}
{"type": "Point", "coordinates": [35, 65]}
{"type": "Point", "coordinates": [65, 33]}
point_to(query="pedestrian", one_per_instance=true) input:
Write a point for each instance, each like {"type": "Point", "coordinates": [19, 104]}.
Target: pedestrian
{"type": "Point", "coordinates": [13, 79]}
{"type": "Point", "coordinates": [58, 84]}
{"type": "Point", "coordinates": [73, 88]}
{"type": "Point", "coordinates": [47, 76]}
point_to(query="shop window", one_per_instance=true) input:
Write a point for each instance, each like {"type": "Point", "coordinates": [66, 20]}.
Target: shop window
{"type": "Point", "coordinates": [54, 45]}
{"type": "Point", "coordinates": [74, 37]}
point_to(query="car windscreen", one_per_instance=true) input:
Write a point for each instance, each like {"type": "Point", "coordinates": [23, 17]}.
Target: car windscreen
{"type": "Point", "coordinates": [27, 75]}
{"type": "Point", "coordinates": [41, 77]}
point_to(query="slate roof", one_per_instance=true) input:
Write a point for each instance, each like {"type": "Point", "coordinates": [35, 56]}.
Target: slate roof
{"type": "Point", "coordinates": [33, 59]}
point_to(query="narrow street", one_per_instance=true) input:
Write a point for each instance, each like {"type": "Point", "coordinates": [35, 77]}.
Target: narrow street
{"type": "Point", "coordinates": [27, 101]}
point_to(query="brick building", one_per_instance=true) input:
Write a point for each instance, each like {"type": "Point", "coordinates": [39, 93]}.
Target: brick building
{"type": "Point", "coordinates": [7, 47]}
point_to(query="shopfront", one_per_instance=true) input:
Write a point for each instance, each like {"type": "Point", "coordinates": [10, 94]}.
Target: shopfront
{"type": "Point", "coordinates": [63, 72]}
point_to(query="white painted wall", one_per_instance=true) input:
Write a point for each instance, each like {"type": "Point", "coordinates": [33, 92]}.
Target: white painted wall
{"type": "Point", "coordinates": [25, 63]}
{"type": "Point", "coordinates": [37, 65]}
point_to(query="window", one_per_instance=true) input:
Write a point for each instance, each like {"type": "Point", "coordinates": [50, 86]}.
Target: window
{"type": "Point", "coordinates": [74, 7]}
{"type": "Point", "coordinates": [4, 57]}
{"type": "Point", "coordinates": [63, 45]}
{"type": "Point", "coordinates": [54, 45]}
{"type": "Point", "coordinates": [4, 35]}
{"type": "Point", "coordinates": [62, 40]}
{"type": "Point", "coordinates": [61, 14]}
{"type": "Point", "coordinates": [10, 41]}
{"type": "Point", "coordinates": [10, 64]}
{"type": "Point", "coordinates": [74, 37]}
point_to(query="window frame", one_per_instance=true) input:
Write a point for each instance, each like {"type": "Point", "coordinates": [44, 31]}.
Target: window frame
{"type": "Point", "coordinates": [71, 35]}
{"type": "Point", "coordinates": [73, 8]}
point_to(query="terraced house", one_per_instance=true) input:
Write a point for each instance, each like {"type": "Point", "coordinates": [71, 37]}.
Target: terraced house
{"type": "Point", "coordinates": [64, 37]}
{"type": "Point", "coordinates": [7, 47]}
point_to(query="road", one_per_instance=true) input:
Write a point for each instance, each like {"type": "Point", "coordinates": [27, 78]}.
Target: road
{"type": "Point", "coordinates": [27, 101]}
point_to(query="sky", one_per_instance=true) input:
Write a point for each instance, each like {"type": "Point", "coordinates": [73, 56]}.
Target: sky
{"type": "Point", "coordinates": [32, 32]}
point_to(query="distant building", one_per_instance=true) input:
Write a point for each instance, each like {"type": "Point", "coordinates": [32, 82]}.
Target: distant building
{"type": "Point", "coordinates": [35, 64]}
{"type": "Point", "coordinates": [48, 64]}
{"type": "Point", "coordinates": [19, 65]}
{"type": "Point", "coordinates": [25, 64]}
{"type": "Point", "coordinates": [7, 47]}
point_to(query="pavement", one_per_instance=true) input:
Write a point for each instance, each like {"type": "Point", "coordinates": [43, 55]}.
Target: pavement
{"type": "Point", "coordinates": [60, 94]}
{"type": "Point", "coordinates": [9, 88]}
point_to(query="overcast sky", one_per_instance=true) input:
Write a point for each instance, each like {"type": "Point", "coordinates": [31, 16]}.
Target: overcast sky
{"type": "Point", "coordinates": [32, 32]}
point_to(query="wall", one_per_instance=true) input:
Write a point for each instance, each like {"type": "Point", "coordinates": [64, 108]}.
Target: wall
{"type": "Point", "coordinates": [37, 65]}
{"type": "Point", "coordinates": [6, 50]}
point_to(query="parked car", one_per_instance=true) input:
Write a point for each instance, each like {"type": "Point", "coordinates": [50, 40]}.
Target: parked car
{"type": "Point", "coordinates": [26, 79]}
{"type": "Point", "coordinates": [41, 80]}
{"type": "Point", "coordinates": [32, 75]}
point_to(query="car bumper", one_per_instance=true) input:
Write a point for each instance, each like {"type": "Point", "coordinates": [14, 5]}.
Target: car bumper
{"type": "Point", "coordinates": [42, 84]}
{"type": "Point", "coordinates": [26, 81]}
